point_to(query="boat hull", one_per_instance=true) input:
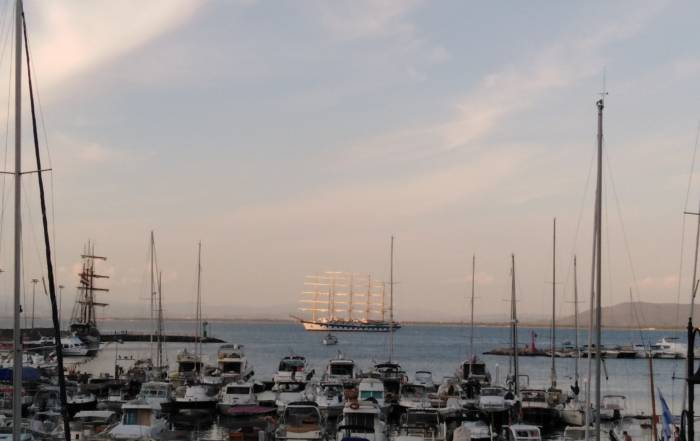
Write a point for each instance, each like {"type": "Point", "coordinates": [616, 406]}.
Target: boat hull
{"type": "Point", "coordinates": [349, 326]}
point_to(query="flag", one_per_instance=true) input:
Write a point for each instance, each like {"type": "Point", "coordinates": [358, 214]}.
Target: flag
{"type": "Point", "coordinates": [666, 418]}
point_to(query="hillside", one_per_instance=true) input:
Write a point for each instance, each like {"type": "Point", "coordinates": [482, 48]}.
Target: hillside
{"type": "Point", "coordinates": [650, 315]}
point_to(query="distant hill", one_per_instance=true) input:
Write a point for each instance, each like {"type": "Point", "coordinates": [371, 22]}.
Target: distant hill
{"type": "Point", "coordinates": [639, 314]}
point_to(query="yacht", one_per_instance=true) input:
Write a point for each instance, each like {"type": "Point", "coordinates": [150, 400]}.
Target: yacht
{"type": "Point", "coordinates": [421, 424]}
{"type": "Point", "coordinates": [426, 379]}
{"type": "Point", "coordinates": [535, 407]}
{"type": "Point", "coordinates": [293, 368]}
{"type": "Point", "coordinates": [494, 399]}
{"type": "Point", "coordinates": [521, 432]}
{"type": "Point", "coordinates": [157, 393]}
{"type": "Point", "coordinates": [301, 421]}
{"type": "Point", "coordinates": [671, 347]}
{"type": "Point", "coordinates": [240, 400]}
{"type": "Point", "coordinates": [86, 424]}
{"type": "Point", "coordinates": [413, 396]}
{"type": "Point", "coordinates": [188, 366]}
{"type": "Point", "coordinates": [330, 398]}
{"type": "Point", "coordinates": [140, 420]}
{"type": "Point", "coordinates": [361, 420]}
{"type": "Point", "coordinates": [371, 389]}
{"type": "Point", "coordinates": [392, 376]}
{"type": "Point", "coordinates": [474, 370]}
{"type": "Point", "coordinates": [198, 397]}
{"type": "Point", "coordinates": [476, 430]}
{"type": "Point", "coordinates": [233, 363]}
{"type": "Point", "coordinates": [341, 369]}
{"type": "Point", "coordinates": [330, 340]}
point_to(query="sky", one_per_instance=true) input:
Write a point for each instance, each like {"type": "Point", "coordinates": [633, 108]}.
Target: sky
{"type": "Point", "coordinates": [296, 137]}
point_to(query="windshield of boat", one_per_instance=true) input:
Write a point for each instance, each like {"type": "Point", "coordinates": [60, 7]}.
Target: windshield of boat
{"type": "Point", "coordinates": [292, 365]}
{"type": "Point", "coordinates": [231, 367]}
{"type": "Point", "coordinates": [412, 391]}
{"type": "Point", "coordinates": [424, 376]}
{"type": "Point", "coordinates": [188, 366]}
{"type": "Point", "coordinates": [157, 392]}
{"type": "Point", "coordinates": [137, 417]}
{"type": "Point", "coordinates": [422, 419]}
{"type": "Point", "coordinates": [297, 416]}
{"type": "Point", "coordinates": [367, 394]}
{"type": "Point", "coordinates": [493, 392]}
{"type": "Point", "coordinates": [238, 390]}
{"type": "Point", "coordinates": [476, 369]}
{"type": "Point", "coordinates": [344, 369]}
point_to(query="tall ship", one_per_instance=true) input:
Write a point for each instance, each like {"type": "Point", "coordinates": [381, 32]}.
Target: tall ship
{"type": "Point", "coordinates": [83, 322]}
{"type": "Point", "coordinates": [336, 301]}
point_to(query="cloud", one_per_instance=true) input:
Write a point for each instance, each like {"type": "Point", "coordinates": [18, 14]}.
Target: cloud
{"type": "Point", "coordinates": [69, 38]}
{"type": "Point", "coordinates": [351, 20]}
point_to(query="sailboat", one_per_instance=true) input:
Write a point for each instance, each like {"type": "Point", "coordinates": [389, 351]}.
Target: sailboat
{"type": "Point", "coordinates": [345, 302]}
{"type": "Point", "coordinates": [83, 323]}
{"type": "Point", "coordinates": [199, 394]}
{"type": "Point", "coordinates": [573, 411]}
{"type": "Point", "coordinates": [539, 406]}
{"type": "Point", "coordinates": [472, 371]}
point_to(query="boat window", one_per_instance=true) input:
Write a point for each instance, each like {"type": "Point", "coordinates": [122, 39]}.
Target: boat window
{"type": "Point", "coordinates": [237, 390]}
{"type": "Point", "coordinates": [367, 394]}
{"type": "Point", "coordinates": [291, 365]}
{"type": "Point", "coordinates": [231, 367]}
{"type": "Point", "coordinates": [342, 369]}
{"type": "Point", "coordinates": [493, 391]}
{"type": "Point", "coordinates": [476, 369]}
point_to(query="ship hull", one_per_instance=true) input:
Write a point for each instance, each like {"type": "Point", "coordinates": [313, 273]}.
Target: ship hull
{"type": "Point", "coordinates": [349, 326]}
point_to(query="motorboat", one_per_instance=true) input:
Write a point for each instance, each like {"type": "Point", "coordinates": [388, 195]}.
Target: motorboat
{"type": "Point", "coordinates": [301, 421]}
{"type": "Point", "coordinates": [48, 399]}
{"type": "Point", "coordinates": [392, 376]}
{"type": "Point", "coordinates": [476, 430]}
{"type": "Point", "coordinates": [494, 399]}
{"type": "Point", "coordinates": [612, 407]}
{"type": "Point", "coordinates": [451, 394]}
{"type": "Point", "coordinates": [330, 340]}
{"type": "Point", "coordinates": [413, 396]}
{"type": "Point", "coordinates": [371, 389]}
{"type": "Point", "coordinates": [198, 397]}
{"type": "Point", "coordinates": [341, 369]}
{"type": "Point", "coordinates": [286, 393]}
{"type": "Point", "coordinates": [536, 409]}
{"type": "Point", "coordinates": [361, 420]}
{"type": "Point", "coordinates": [73, 347]}
{"type": "Point", "coordinates": [421, 424]}
{"type": "Point", "coordinates": [521, 432]}
{"type": "Point", "coordinates": [293, 369]}
{"type": "Point", "coordinates": [426, 379]}
{"type": "Point", "coordinates": [189, 366]}
{"type": "Point", "coordinates": [671, 347]}
{"type": "Point", "coordinates": [117, 395]}
{"type": "Point", "coordinates": [329, 397]}
{"type": "Point", "coordinates": [238, 395]}
{"type": "Point", "coordinates": [140, 420]}
{"type": "Point", "coordinates": [474, 370]}
{"type": "Point", "coordinates": [157, 393]}
{"type": "Point", "coordinates": [233, 364]}
{"type": "Point", "coordinates": [87, 423]}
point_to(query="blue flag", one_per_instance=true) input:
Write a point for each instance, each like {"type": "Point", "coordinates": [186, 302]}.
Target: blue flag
{"type": "Point", "coordinates": [666, 418]}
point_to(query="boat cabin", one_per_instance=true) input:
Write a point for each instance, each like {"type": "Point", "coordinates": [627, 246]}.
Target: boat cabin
{"type": "Point", "coordinates": [301, 420]}
{"type": "Point", "coordinates": [371, 389]}
{"type": "Point", "coordinates": [521, 432]}
{"type": "Point", "coordinates": [292, 368]}
{"type": "Point", "coordinates": [475, 370]}
{"type": "Point", "coordinates": [422, 423]}
{"type": "Point", "coordinates": [341, 369]}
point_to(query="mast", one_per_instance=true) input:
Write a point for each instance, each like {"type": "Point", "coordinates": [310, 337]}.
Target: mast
{"type": "Point", "coordinates": [198, 319]}
{"type": "Point", "coordinates": [350, 295]}
{"type": "Point", "coordinates": [17, 331]}
{"type": "Point", "coordinates": [598, 267]}
{"type": "Point", "coordinates": [471, 336]}
{"type": "Point", "coordinates": [391, 300]}
{"type": "Point", "coordinates": [153, 289]}
{"type": "Point", "coordinates": [578, 350]}
{"type": "Point", "coordinates": [514, 327]}
{"type": "Point", "coordinates": [553, 373]}
{"type": "Point", "coordinates": [159, 351]}
{"type": "Point", "coordinates": [47, 249]}
{"type": "Point", "coordinates": [693, 290]}
{"type": "Point", "coordinates": [369, 296]}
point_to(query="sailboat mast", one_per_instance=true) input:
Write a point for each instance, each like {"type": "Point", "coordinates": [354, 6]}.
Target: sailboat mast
{"type": "Point", "coordinates": [153, 290]}
{"type": "Point", "coordinates": [199, 300]}
{"type": "Point", "coordinates": [553, 373]}
{"type": "Point", "coordinates": [17, 335]}
{"type": "Point", "coordinates": [578, 350]}
{"type": "Point", "coordinates": [598, 253]}
{"type": "Point", "coordinates": [159, 363]}
{"type": "Point", "coordinates": [391, 300]}
{"type": "Point", "coordinates": [693, 291]}
{"type": "Point", "coordinates": [514, 327]}
{"type": "Point", "coordinates": [471, 336]}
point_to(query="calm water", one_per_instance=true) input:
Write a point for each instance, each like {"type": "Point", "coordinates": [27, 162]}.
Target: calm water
{"type": "Point", "coordinates": [439, 348]}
